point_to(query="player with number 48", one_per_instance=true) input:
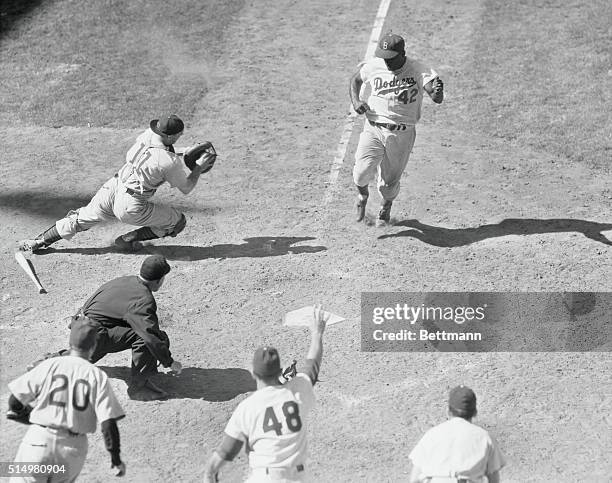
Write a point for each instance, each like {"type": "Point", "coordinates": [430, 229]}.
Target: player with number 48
{"type": "Point", "coordinates": [272, 420]}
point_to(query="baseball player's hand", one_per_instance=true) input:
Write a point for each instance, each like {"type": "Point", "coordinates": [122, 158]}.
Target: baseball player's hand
{"type": "Point", "coordinates": [361, 108]}
{"type": "Point", "coordinates": [176, 367]}
{"type": "Point", "coordinates": [319, 320]}
{"type": "Point", "coordinates": [118, 470]}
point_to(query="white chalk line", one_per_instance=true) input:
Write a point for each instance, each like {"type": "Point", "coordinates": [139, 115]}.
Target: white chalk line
{"type": "Point", "coordinates": [349, 123]}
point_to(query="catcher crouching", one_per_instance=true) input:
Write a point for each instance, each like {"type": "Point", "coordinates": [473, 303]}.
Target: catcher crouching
{"type": "Point", "coordinates": [126, 196]}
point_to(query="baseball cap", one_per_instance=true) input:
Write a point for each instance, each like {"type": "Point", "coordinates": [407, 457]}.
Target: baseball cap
{"type": "Point", "coordinates": [389, 46]}
{"type": "Point", "coordinates": [462, 399]}
{"type": "Point", "coordinates": [266, 362]}
{"type": "Point", "coordinates": [82, 332]}
{"type": "Point", "coordinates": [168, 125]}
{"type": "Point", "coordinates": [154, 267]}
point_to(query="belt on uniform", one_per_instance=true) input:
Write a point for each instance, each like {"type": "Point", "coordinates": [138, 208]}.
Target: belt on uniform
{"type": "Point", "coordinates": [279, 471]}
{"type": "Point", "coordinates": [390, 127]}
{"type": "Point", "coordinates": [66, 430]}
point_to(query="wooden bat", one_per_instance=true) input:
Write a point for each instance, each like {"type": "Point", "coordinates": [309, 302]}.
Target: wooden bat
{"type": "Point", "coordinates": [28, 268]}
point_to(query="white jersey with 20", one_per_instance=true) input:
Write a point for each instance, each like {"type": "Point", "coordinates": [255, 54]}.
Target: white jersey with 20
{"type": "Point", "coordinates": [67, 392]}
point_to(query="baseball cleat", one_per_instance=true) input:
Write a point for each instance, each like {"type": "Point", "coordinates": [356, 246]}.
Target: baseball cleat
{"type": "Point", "coordinates": [290, 372]}
{"type": "Point", "coordinates": [361, 207]}
{"type": "Point", "coordinates": [127, 246]}
{"type": "Point", "coordinates": [30, 245]}
{"type": "Point", "coordinates": [147, 392]}
{"type": "Point", "coordinates": [384, 215]}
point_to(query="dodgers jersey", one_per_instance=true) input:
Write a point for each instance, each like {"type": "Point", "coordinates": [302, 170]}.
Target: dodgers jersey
{"type": "Point", "coordinates": [457, 448]}
{"type": "Point", "coordinates": [149, 163]}
{"type": "Point", "coordinates": [271, 421]}
{"type": "Point", "coordinates": [67, 392]}
{"type": "Point", "coordinates": [395, 96]}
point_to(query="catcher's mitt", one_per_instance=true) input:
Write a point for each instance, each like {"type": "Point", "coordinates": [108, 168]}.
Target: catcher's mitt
{"type": "Point", "coordinates": [22, 416]}
{"type": "Point", "coordinates": [192, 154]}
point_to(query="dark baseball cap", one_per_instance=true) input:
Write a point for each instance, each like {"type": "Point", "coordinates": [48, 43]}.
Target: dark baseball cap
{"type": "Point", "coordinates": [167, 125]}
{"type": "Point", "coordinates": [266, 362]}
{"type": "Point", "coordinates": [389, 46]}
{"type": "Point", "coordinates": [462, 399]}
{"type": "Point", "coordinates": [154, 267]}
{"type": "Point", "coordinates": [83, 332]}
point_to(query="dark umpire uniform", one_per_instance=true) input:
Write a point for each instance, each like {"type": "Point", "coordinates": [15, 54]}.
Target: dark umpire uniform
{"type": "Point", "coordinates": [126, 313]}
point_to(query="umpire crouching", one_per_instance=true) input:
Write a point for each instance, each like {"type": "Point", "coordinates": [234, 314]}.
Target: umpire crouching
{"type": "Point", "coordinates": [126, 312]}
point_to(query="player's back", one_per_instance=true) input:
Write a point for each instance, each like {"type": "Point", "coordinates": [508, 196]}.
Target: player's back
{"type": "Point", "coordinates": [274, 419]}
{"type": "Point", "coordinates": [70, 390]}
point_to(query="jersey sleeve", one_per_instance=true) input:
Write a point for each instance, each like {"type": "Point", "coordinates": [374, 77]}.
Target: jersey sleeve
{"type": "Point", "coordinates": [495, 460]}
{"type": "Point", "coordinates": [176, 172]}
{"type": "Point", "coordinates": [235, 427]}
{"type": "Point", "coordinates": [419, 453]}
{"type": "Point", "coordinates": [27, 387]}
{"type": "Point", "coordinates": [302, 385]}
{"type": "Point", "coordinates": [107, 405]}
{"type": "Point", "coordinates": [142, 317]}
{"type": "Point", "coordinates": [364, 70]}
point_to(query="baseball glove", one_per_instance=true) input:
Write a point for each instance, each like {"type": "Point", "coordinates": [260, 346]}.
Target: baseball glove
{"type": "Point", "coordinates": [192, 154]}
{"type": "Point", "coordinates": [22, 416]}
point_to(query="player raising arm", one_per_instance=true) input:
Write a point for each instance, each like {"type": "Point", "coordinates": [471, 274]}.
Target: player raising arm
{"type": "Point", "coordinates": [272, 420]}
{"type": "Point", "coordinates": [69, 395]}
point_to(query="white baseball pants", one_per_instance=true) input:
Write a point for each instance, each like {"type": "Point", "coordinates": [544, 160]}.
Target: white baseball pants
{"type": "Point", "coordinates": [113, 201]}
{"type": "Point", "coordinates": [52, 447]}
{"type": "Point", "coordinates": [384, 153]}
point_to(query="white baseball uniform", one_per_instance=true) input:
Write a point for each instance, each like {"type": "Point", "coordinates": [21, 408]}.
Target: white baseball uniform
{"type": "Point", "coordinates": [126, 196]}
{"type": "Point", "coordinates": [457, 450]}
{"type": "Point", "coordinates": [69, 396]}
{"type": "Point", "coordinates": [272, 422]}
{"type": "Point", "coordinates": [395, 99]}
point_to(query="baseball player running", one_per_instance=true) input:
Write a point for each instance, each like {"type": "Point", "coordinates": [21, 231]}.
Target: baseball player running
{"type": "Point", "coordinates": [396, 85]}
{"type": "Point", "coordinates": [457, 450]}
{"type": "Point", "coordinates": [69, 395]}
{"type": "Point", "coordinates": [149, 163]}
{"type": "Point", "coordinates": [272, 420]}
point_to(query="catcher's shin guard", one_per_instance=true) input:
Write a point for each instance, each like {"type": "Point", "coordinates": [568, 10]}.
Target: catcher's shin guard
{"type": "Point", "coordinates": [43, 240]}
{"type": "Point", "coordinates": [132, 239]}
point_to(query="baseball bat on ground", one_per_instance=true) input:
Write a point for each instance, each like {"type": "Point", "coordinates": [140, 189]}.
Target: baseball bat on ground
{"type": "Point", "coordinates": [28, 268]}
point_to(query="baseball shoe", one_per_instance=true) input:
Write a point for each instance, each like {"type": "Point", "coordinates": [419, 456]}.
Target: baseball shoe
{"type": "Point", "coordinates": [362, 201]}
{"type": "Point", "coordinates": [30, 245]}
{"type": "Point", "coordinates": [127, 246]}
{"type": "Point", "coordinates": [147, 392]}
{"type": "Point", "coordinates": [384, 215]}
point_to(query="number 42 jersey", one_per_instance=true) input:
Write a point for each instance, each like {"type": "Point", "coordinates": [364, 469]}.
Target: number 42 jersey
{"type": "Point", "coordinates": [67, 392]}
{"type": "Point", "coordinates": [395, 96]}
{"type": "Point", "coordinates": [271, 421]}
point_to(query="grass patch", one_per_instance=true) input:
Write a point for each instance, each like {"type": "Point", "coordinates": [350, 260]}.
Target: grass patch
{"type": "Point", "coordinates": [110, 62]}
{"type": "Point", "coordinates": [540, 76]}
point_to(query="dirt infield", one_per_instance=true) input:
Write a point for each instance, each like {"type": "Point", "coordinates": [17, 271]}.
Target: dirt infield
{"type": "Point", "coordinates": [267, 82]}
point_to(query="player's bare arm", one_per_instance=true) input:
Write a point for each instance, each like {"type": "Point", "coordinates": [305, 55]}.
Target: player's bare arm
{"type": "Point", "coordinates": [202, 164]}
{"type": "Point", "coordinates": [435, 89]}
{"type": "Point", "coordinates": [354, 89]}
{"type": "Point", "coordinates": [493, 477]}
{"type": "Point", "coordinates": [315, 351]}
{"type": "Point", "coordinates": [227, 451]}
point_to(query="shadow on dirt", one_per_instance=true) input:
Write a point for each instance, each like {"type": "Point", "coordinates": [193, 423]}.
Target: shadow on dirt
{"type": "Point", "coordinates": [197, 383]}
{"type": "Point", "coordinates": [456, 237]}
{"type": "Point", "coordinates": [256, 247]}
{"type": "Point", "coordinates": [42, 203]}
{"type": "Point", "coordinates": [12, 10]}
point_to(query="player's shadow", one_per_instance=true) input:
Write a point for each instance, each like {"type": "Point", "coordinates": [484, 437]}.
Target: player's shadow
{"type": "Point", "coordinates": [255, 247]}
{"type": "Point", "coordinates": [196, 383]}
{"type": "Point", "coordinates": [12, 10]}
{"type": "Point", "coordinates": [42, 203]}
{"type": "Point", "coordinates": [456, 237]}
